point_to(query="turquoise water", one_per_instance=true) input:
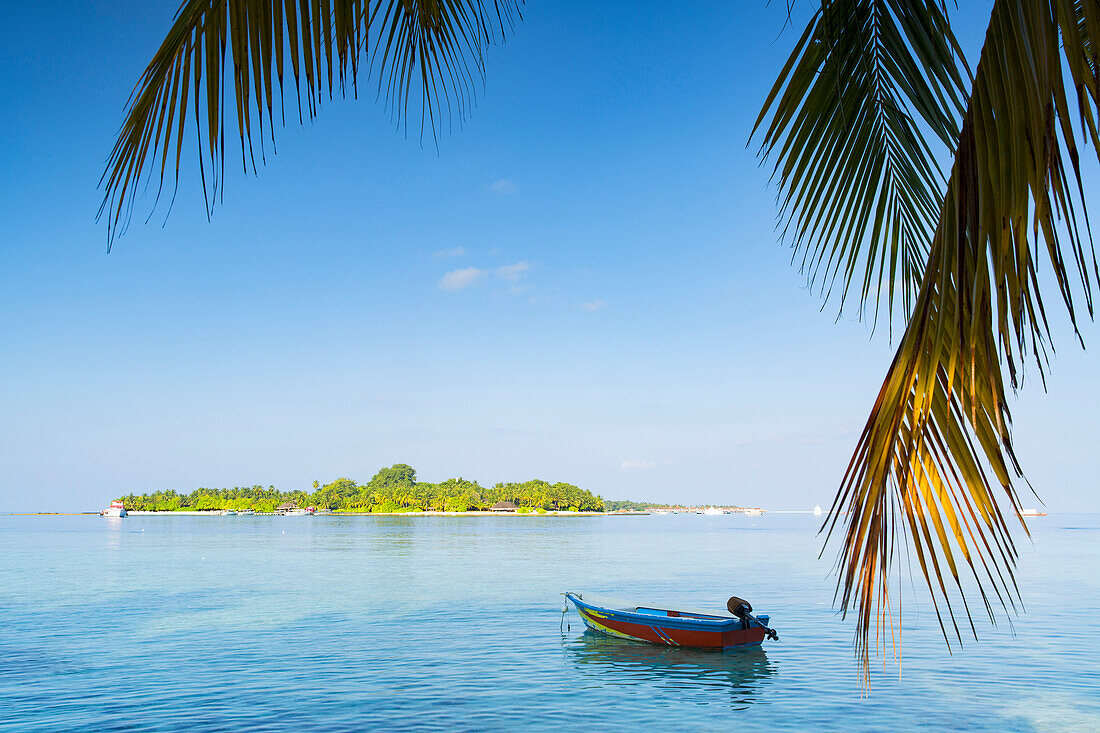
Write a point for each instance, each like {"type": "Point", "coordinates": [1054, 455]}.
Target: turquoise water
{"type": "Point", "coordinates": [352, 623]}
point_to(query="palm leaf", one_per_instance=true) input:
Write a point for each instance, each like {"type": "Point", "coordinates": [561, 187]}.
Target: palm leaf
{"type": "Point", "coordinates": [431, 46]}
{"type": "Point", "coordinates": [935, 458]}
{"type": "Point", "coordinates": [849, 119]}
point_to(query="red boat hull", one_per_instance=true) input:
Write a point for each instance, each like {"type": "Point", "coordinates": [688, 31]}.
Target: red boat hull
{"type": "Point", "coordinates": [670, 630]}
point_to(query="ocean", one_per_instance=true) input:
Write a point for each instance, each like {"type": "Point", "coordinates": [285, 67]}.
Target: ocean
{"type": "Point", "coordinates": [455, 623]}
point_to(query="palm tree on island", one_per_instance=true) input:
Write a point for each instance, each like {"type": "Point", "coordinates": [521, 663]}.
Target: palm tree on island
{"type": "Point", "coordinates": [874, 95]}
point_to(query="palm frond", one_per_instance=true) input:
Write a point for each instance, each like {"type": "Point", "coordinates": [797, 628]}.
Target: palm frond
{"type": "Point", "coordinates": [434, 46]}
{"type": "Point", "coordinates": [859, 187]}
{"type": "Point", "coordinates": [935, 458]}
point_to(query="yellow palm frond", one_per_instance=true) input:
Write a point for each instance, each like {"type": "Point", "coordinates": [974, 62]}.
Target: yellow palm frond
{"type": "Point", "coordinates": [935, 459]}
{"type": "Point", "coordinates": [433, 45]}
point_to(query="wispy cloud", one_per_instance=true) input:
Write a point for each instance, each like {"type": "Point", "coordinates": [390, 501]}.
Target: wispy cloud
{"type": "Point", "coordinates": [459, 279]}
{"type": "Point", "coordinates": [467, 276]}
{"type": "Point", "coordinates": [512, 273]}
{"type": "Point", "coordinates": [594, 305]}
{"type": "Point", "coordinates": [636, 465]}
{"type": "Point", "coordinates": [504, 187]}
{"type": "Point", "coordinates": [450, 252]}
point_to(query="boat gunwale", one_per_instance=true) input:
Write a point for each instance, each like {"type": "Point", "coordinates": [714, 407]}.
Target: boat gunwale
{"type": "Point", "coordinates": [709, 622]}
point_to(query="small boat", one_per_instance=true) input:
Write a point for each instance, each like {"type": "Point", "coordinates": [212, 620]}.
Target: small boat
{"type": "Point", "coordinates": [291, 509]}
{"type": "Point", "coordinates": [228, 512]}
{"type": "Point", "coordinates": [817, 510]}
{"type": "Point", "coordinates": [117, 510]}
{"type": "Point", "coordinates": [1032, 513]}
{"type": "Point", "coordinates": [662, 625]}
{"type": "Point", "coordinates": [246, 513]}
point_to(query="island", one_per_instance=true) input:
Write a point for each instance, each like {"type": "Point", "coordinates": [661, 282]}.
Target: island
{"type": "Point", "coordinates": [392, 490]}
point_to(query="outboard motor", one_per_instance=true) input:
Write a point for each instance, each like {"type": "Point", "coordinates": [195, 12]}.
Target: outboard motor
{"type": "Point", "coordinates": [742, 609]}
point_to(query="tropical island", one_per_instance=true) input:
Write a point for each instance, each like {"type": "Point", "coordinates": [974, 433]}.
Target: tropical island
{"type": "Point", "coordinates": [392, 490]}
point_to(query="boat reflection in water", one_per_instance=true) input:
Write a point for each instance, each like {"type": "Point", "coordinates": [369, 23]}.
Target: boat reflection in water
{"type": "Point", "coordinates": [739, 672]}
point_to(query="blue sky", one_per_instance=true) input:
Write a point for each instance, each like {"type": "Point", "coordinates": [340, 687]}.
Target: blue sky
{"type": "Point", "coordinates": [583, 283]}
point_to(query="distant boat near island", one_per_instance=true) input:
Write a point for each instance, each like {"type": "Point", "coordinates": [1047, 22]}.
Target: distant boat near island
{"type": "Point", "coordinates": [291, 509]}
{"type": "Point", "coordinates": [117, 510]}
{"type": "Point", "coordinates": [1032, 513]}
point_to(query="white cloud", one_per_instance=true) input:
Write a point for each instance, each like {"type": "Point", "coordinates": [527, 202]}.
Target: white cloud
{"type": "Point", "coordinates": [467, 276]}
{"type": "Point", "coordinates": [636, 465]}
{"type": "Point", "coordinates": [512, 273]}
{"type": "Point", "coordinates": [459, 279]}
{"type": "Point", "coordinates": [504, 187]}
{"type": "Point", "coordinates": [594, 305]}
{"type": "Point", "coordinates": [450, 252]}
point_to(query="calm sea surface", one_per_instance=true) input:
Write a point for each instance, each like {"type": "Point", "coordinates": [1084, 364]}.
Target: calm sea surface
{"type": "Point", "coordinates": [352, 623]}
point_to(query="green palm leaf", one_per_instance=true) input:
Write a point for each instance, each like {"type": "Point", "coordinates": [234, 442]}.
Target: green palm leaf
{"type": "Point", "coordinates": [849, 113]}
{"type": "Point", "coordinates": [935, 458]}
{"type": "Point", "coordinates": [434, 46]}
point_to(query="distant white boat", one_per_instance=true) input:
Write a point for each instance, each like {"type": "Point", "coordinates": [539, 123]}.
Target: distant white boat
{"type": "Point", "coordinates": [228, 512]}
{"type": "Point", "coordinates": [817, 510]}
{"type": "Point", "coordinates": [117, 510]}
{"type": "Point", "coordinates": [291, 509]}
{"type": "Point", "coordinates": [246, 512]}
{"type": "Point", "coordinates": [1032, 513]}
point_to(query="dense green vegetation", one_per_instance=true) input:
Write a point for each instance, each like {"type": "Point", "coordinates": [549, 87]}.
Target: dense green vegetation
{"type": "Point", "coordinates": [393, 489]}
